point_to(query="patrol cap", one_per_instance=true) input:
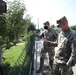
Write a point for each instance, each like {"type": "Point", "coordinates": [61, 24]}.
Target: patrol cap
{"type": "Point", "coordinates": [62, 20]}
{"type": "Point", "coordinates": [46, 23]}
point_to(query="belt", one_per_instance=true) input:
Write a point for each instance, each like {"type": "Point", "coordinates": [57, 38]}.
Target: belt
{"type": "Point", "coordinates": [49, 47]}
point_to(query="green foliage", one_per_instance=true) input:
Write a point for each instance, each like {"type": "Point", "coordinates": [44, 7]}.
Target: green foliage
{"type": "Point", "coordinates": [53, 26]}
{"type": "Point", "coordinates": [12, 27]}
{"type": "Point", "coordinates": [12, 24]}
{"type": "Point", "coordinates": [15, 20]}
{"type": "Point", "coordinates": [37, 30]}
{"type": "Point", "coordinates": [73, 27]}
{"type": "Point", "coordinates": [26, 56]}
{"type": "Point", "coordinates": [12, 54]}
{"type": "Point", "coordinates": [2, 26]}
{"type": "Point", "coordinates": [31, 27]}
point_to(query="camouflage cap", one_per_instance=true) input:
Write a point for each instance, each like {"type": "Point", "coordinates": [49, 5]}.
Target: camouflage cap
{"type": "Point", "coordinates": [46, 23]}
{"type": "Point", "coordinates": [62, 20]}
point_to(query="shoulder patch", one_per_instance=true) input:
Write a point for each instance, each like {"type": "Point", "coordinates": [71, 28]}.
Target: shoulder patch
{"type": "Point", "coordinates": [74, 38]}
{"type": "Point", "coordinates": [74, 41]}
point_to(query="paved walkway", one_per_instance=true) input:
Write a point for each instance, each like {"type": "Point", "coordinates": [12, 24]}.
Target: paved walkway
{"type": "Point", "coordinates": [46, 69]}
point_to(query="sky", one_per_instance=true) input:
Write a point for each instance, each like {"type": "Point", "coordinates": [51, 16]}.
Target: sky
{"type": "Point", "coordinates": [51, 10]}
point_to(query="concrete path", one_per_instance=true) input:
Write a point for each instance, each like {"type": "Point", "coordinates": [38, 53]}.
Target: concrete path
{"type": "Point", "coordinates": [46, 68]}
{"type": "Point", "coordinates": [74, 69]}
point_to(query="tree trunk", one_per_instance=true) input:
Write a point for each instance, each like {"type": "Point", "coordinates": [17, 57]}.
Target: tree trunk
{"type": "Point", "coordinates": [1, 54]}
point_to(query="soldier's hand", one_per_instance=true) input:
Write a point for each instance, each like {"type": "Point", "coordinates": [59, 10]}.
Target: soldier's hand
{"type": "Point", "coordinates": [42, 35]}
{"type": "Point", "coordinates": [45, 39]}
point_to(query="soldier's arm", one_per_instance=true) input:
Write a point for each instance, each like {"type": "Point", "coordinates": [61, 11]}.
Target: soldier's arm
{"type": "Point", "coordinates": [72, 59]}
{"type": "Point", "coordinates": [54, 43]}
{"type": "Point", "coordinates": [55, 35]}
{"type": "Point", "coordinates": [51, 43]}
{"type": "Point", "coordinates": [37, 35]}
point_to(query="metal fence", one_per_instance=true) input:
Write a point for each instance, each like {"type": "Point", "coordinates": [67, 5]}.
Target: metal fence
{"type": "Point", "coordinates": [24, 63]}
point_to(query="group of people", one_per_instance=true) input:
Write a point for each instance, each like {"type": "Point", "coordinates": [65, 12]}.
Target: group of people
{"type": "Point", "coordinates": [61, 48]}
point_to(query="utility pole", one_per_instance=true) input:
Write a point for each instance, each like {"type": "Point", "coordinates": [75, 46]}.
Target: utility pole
{"type": "Point", "coordinates": [38, 23]}
{"type": "Point", "coordinates": [50, 20]}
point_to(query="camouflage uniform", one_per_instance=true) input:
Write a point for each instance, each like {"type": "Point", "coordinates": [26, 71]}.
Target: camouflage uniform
{"type": "Point", "coordinates": [64, 54]}
{"type": "Point", "coordinates": [51, 35]}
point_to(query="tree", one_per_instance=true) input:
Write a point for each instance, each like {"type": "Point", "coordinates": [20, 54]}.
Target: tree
{"type": "Point", "coordinates": [12, 25]}
{"type": "Point", "coordinates": [53, 26]}
{"type": "Point", "coordinates": [15, 20]}
{"type": "Point", "coordinates": [31, 27]}
{"type": "Point", "coordinates": [73, 27]}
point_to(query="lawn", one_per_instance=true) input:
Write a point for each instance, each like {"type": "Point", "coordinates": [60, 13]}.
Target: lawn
{"type": "Point", "coordinates": [10, 56]}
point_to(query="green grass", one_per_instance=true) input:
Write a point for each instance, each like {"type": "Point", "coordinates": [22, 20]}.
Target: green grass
{"type": "Point", "coordinates": [10, 56]}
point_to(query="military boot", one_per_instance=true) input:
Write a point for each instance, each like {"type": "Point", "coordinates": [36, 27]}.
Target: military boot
{"type": "Point", "coordinates": [51, 63]}
{"type": "Point", "coordinates": [41, 65]}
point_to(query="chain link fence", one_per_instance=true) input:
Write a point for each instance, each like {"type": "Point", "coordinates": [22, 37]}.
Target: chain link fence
{"type": "Point", "coordinates": [24, 63]}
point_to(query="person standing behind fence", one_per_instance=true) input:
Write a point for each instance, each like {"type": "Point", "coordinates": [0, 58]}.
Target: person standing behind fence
{"type": "Point", "coordinates": [51, 35]}
{"type": "Point", "coordinates": [65, 51]}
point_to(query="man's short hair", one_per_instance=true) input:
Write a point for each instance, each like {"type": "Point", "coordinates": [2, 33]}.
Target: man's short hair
{"type": "Point", "coordinates": [62, 20]}
{"type": "Point", "coordinates": [46, 23]}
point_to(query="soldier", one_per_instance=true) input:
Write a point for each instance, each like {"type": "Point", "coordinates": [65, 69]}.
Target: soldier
{"type": "Point", "coordinates": [64, 58]}
{"type": "Point", "coordinates": [51, 35]}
